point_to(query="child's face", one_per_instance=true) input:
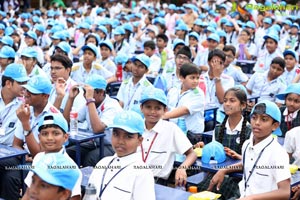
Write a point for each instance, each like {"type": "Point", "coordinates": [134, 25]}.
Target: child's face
{"type": "Point", "coordinates": [190, 81]}
{"type": "Point", "coordinates": [275, 71]}
{"type": "Point", "coordinates": [40, 190]}
{"type": "Point", "coordinates": [160, 43]}
{"type": "Point", "coordinates": [180, 60]}
{"type": "Point", "coordinates": [125, 143]}
{"type": "Point", "coordinates": [290, 62]}
{"type": "Point", "coordinates": [148, 51]}
{"type": "Point", "coordinates": [138, 69]}
{"type": "Point", "coordinates": [105, 52]}
{"type": "Point", "coordinates": [88, 56]}
{"type": "Point", "coordinates": [271, 45]}
{"type": "Point", "coordinates": [52, 139]}
{"type": "Point", "coordinates": [153, 111]}
{"type": "Point", "coordinates": [262, 126]}
{"type": "Point", "coordinates": [232, 105]}
{"type": "Point", "coordinates": [177, 48]}
{"type": "Point", "coordinates": [292, 102]}
{"type": "Point", "coordinates": [212, 44]}
{"type": "Point", "coordinates": [92, 40]}
{"type": "Point", "coordinates": [193, 41]}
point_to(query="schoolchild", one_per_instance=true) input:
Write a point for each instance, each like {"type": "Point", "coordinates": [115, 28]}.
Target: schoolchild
{"type": "Point", "coordinates": [291, 72]}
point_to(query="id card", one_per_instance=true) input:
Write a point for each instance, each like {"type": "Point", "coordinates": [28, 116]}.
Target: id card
{"type": "Point", "coordinates": [2, 131]}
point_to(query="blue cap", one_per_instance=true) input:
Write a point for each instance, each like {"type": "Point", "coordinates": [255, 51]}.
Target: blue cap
{"type": "Point", "coordinates": [55, 29]}
{"type": "Point", "coordinates": [273, 35]}
{"type": "Point", "coordinates": [154, 94]}
{"type": "Point", "coordinates": [221, 33]}
{"type": "Point", "coordinates": [276, 27]}
{"type": "Point", "coordinates": [53, 119]}
{"type": "Point", "coordinates": [198, 22]}
{"type": "Point", "coordinates": [36, 19]}
{"type": "Point", "coordinates": [16, 72]}
{"type": "Point", "coordinates": [115, 23]}
{"type": "Point", "coordinates": [24, 16]}
{"type": "Point", "coordinates": [26, 24]}
{"type": "Point", "coordinates": [295, 25]}
{"type": "Point", "coordinates": [138, 15]}
{"type": "Point", "coordinates": [50, 13]}
{"type": "Point", "coordinates": [267, 20]}
{"type": "Point", "coordinates": [64, 46]}
{"type": "Point", "coordinates": [71, 20]}
{"type": "Point", "coordinates": [102, 28]}
{"type": "Point", "coordinates": [96, 36]}
{"type": "Point", "coordinates": [213, 24]}
{"type": "Point", "coordinates": [223, 21]}
{"type": "Point", "coordinates": [213, 151]}
{"type": "Point", "coordinates": [91, 47]}
{"type": "Point", "coordinates": [119, 31]}
{"type": "Point", "coordinates": [172, 7]}
{"type": "Point", "coordinates": [31, 34]}
{"type": "Point", "coordinates": [188, 6]}
{"type": "Point", "coordinates": [250, 24]}
{"type": "Point", "coordinates": [202, 16]}
{"type": "Point", "coordinates": [291, 52]}
{"type": "Point", "coordinates": [128, 27]}
{"type": "Point", "coordinates": [7, 40]}
{"type": "Point", "coordinates": [271, 109]}
{"type": "Point", "coordinates": [182, 27]}
{"type": "Point", "coordinates": [229, 23]}
{"type": "Point", "coordinates": [210, 29]}
{"type": "Point", "coordinates": [99, 10]}
{"type": "Point", "coordinates": [56, 169]}
{"type": "Point", "coordinates": [39, 27]}
{"type": "Point", "coordinates": [195, 35]}
{"type": "Point", "coordinates": [96, 81]}
{"type": "Point", "coordinates": [288, 22]}
{"type": "Point", "coordinates": [29, 52]}
{"type": "Point", "coordinates": [84, 25]}
{"type": "Point", "coordinates": [9, 31]}
{"type": "Point", "coordinates": [129, 121]}
{"type": "Point", "coordinates": [178, 41]}
{"type": "Point", "coordinates": [223, 6]}
{"type": "Point", "coordinates": [7, 52]}
{"type": "Point", "coordinates": [121, 58]}
{"type": "Point", "coordinates": [143, 59]}
{"type": "Point", "coordinates": [292, 88]}
{"type": "Point", "coordinates": [136, 24]}
{"type": "Point", "coordinates": [159, 20]}
{"type": "Point", "coordinates": [214, 37]}
{"type": "Point", "coordinates": [108, 44]}
{"type": "Point", "coordinates": [57, 13]}
{"type": "Point", "coordinates": [38, 84]}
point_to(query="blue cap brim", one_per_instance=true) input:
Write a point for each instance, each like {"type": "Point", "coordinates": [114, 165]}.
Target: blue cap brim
{"type": "Point", "coordinates": [31, 89]}
{"type": "Point", "coordinates": [21, 79]}
{"type": "Point", "coordinates": [153, 99]}
{"type": "Point", "coordinates": [125, 128]}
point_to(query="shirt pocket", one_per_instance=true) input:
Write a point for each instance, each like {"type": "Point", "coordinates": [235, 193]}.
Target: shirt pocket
{"type": "Point", "coordinates": [122, 192]}
{"type": "Point", "coordinates": [262, 178]}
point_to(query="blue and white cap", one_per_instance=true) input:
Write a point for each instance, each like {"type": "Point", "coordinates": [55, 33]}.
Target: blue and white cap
{"type": "Point", "coordinates": [38, 84]}
{"type": "Point", "coordinates": [154, 94]}
{"type": "Point", "coordinates": [16, 72]}
{"type": "Point", "coordinates": [96, 81]}
{"type": "Point", "coordinates": [292, 88]}
{"type": "Point", "coordinates": [53, 119]}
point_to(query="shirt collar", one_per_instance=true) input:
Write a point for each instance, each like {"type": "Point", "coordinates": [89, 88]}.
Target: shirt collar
{"type": "Point", "coordinates": [125, 160]}
{"type": "Point", "coordinates": [238, 127]}
{"type": "Point", "coordinates": [262, 144]}
{"type": "Point", "coordinates": [289, 116]}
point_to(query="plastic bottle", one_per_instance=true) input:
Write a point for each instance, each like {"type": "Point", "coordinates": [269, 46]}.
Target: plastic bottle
{"type": "Point", "coordinates": [90, 193]}
{"type": "Point", "coordinates": [119, 72]}
{"type": "Point", "coordinates": [73, 122]}
{"type": "Point", "coordinates": [182, 125]}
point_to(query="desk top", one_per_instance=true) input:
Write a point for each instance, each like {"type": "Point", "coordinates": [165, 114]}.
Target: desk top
{"type": "Point", "coordinates": [85, 136]}
{"type": "Point", "coordinates": [164, 192]}
{"type": "Point", "coordinates": [9, 152]}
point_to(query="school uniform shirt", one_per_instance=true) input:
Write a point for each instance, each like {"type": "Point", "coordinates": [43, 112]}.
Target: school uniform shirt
{"type": "Point", "coordinates": [288, 120]}
{"type": "Point", "coordinates": [109, 65]}
{"type": "Point", "coordinates": [271, 168]}
{"type": "Point", "coordinates": [78, 101]}
{"type": "Point", "coordinates": [169, 73]}
{"type": "Point", "coordinates": [231, 38]}
{"type": "Point", "coordinates": [43, 41]}
{"type": "Point", "coordinates": [130, 94]}
{"type": "Point", "coordinates": [201, 58]}
{"type": "Point", "coordinates": [77, 188]}
{"type": "Point", "coordinates": [124, 47]}
{"type": "Point", "coordinates": [292, 144]}
{"type": "Point", "coordinates": [288, 76]}
{"type": "Point", "coordinates": [106, 112]}
{"type": "Point", "coordinates": [8, 120]}
{"type": "Point", "coordinates": [155, 64]}
{"type": "Point", "coordinates": [79, 74]}
{"type": "Point", "coordinates": [34, 120]}
{"type": "Point", "coordinates": [236, 73]}
{"type": "Point", "coordinates": [264, 60]}
{"type": "Point", "coordinates": [160, 145]}
{"type": "Point", "coordinates": [264, 89]}
{"type": "Point", "coordinates": [193, 100]}
{"type": "Point", "coordinates": [126, 178]}
{"type": "Point", "coordinates": [251, 48]}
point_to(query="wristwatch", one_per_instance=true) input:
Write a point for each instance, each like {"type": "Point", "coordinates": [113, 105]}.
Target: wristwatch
{"type": "Point", "coordinates": [216, 79]}
{"type": "Point", "coordinates": [26, 133]}
{"type": "Point", "coordinates": [88, 101]}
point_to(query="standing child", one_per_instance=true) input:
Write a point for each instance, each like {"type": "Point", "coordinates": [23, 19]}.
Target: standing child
{"type": "Point", "coordinates": [232, 133]}
{"type": "Point", "coordinates": [53, 134]}
{"type": "Point", "coordinates": [265, 163]}
{"type": "Point", "coordinates": [124, 175]}
{"type": "Point", "coordinates": [290, 115]}
{"type": "Point", "coordinates": [187, 102]}
{"type": "Point", "coordinates": [163, 139]}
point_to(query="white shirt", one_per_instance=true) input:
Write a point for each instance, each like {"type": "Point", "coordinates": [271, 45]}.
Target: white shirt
{"type": "Point", "coordinates": [292, 144]}
{"type": "Point", "coordinates": [155, 63]}
{"type": "Point", "coordinates": [37, 71]}
{"type": "Point", "coordinates": [201, 58]}
{"type": "Point", "coordinates": [264, 60]}
{"type": "Point", "coordinates": [193, 100]}
{"type": "Point", "coordinates": [288, 76]}
{"type": "Point", "coordinates": [271, 168]}
{"type": "Point", "coordinates": [109, 65]}
{"type": "Point", "coordinates": [169, 141]}
{"type": "Point", "coordinates": [77, 188]}
{"type": "Point", "coordinates": [236, 73]}
{"type": "Point", "coordinates": [131, 183]}
{"type": "Point", "coordinates": [169, 74]}
{"type": "Point", "coordinates": [236, 129]}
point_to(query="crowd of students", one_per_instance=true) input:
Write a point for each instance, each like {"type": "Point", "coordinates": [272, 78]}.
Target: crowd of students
{"type": "Point", "coordinates": [199, 54]}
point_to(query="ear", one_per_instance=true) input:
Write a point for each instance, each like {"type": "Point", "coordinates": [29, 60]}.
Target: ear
{"type": "Point", "coordinates": [66, 137]}
{"type": "Point", "coordinates": [140, 140]}
{"type": "Point", "coordinates": [65, 194]}
{"type": "Point", "coordinates": [275, 125]}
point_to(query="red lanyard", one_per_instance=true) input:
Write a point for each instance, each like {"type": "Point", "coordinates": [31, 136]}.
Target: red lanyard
{"type": "Point", "coordinates": [289, 123]}
{"type": "Point", "coordinates": [145, 158]}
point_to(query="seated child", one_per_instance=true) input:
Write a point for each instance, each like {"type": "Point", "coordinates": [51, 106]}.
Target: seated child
{"type": "Point", "coordinates": [124, 176]}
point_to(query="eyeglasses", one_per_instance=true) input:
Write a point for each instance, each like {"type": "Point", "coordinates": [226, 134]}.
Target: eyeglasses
{"type": "Point", "coordinates": [229, 56]}
{"type": "Point", "coordinates": [184, 58]}
{"type": "Point", "coordinates": [56, 68]}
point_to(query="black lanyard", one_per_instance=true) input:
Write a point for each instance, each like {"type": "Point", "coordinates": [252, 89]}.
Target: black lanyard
{"type": "Point", "coordinates": [253, 167]}
{"type": "Point", "coordinates": [103, 188]}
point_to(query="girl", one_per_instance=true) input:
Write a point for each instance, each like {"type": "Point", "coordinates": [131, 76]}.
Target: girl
{"type": "Point", "coordinates": [91, 38]}
{"type": "Point", "coordinates": [31, 41]}
{"type": "Point", "coordinates": [246, 48]}
{"type": "Point", "coordinates": [232, 133]}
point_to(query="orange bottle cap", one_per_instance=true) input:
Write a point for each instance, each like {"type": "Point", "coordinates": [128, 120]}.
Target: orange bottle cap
{"type": "Point", "coordinates": [193, 189]}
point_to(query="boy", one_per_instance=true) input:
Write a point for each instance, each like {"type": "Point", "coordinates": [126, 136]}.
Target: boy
{"type": "Point", "coordinates": [84, 69]}
{"type": "Point", "coordinates": [119, 176]}
{"type": "Point", "coordinates": [265, 163]}
{"type": "Point", "coordinates": [155, 61]}
{"type": "Point", "coordinates": [106, 51]}
{"type": "Point", "coordinates": [187, 101]}
{"type": "Point", "coordinates": [291, 68]}
{"type": "Point", "coordinates": [267, 85]}
{"type": "Point", "coordinates": [163, 51]}
{"type": "Point", "coordinates": [130, 90]}
{"type": "Point", "coordinates": [53, 130]}
{"type": "Point", "coordinates": [163, 136]}
{"type": "Point", "coordinates": [53, 177]}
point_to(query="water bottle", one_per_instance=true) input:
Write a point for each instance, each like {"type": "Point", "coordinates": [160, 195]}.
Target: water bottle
{"type": "Point", "coordinates": [90, 193]}
{"type": "Point", "coordinates": [73, 122]}
{"type": "Point", "coordinates": [180, 188]}
{"type": "Point", "coordinates": [119, 72]}
{"type": "Point", "coordinates": [182, 125]}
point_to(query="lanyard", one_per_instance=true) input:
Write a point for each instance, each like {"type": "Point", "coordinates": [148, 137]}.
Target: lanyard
{"type": "Point", "coordinates": [130, 98]}
{"type": "Point", "coordinates": [103, 188]}
{"type": "Point", "coordinates": [255, 163]}
{"type": "Point", "coordinates": [6, 114]}
{"type": "Point", "coordinates": [180, 97]}
{"type": "Point", "coordinates": [145, 158]}
{"type": "Point", "coordinates": [289, 121]}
